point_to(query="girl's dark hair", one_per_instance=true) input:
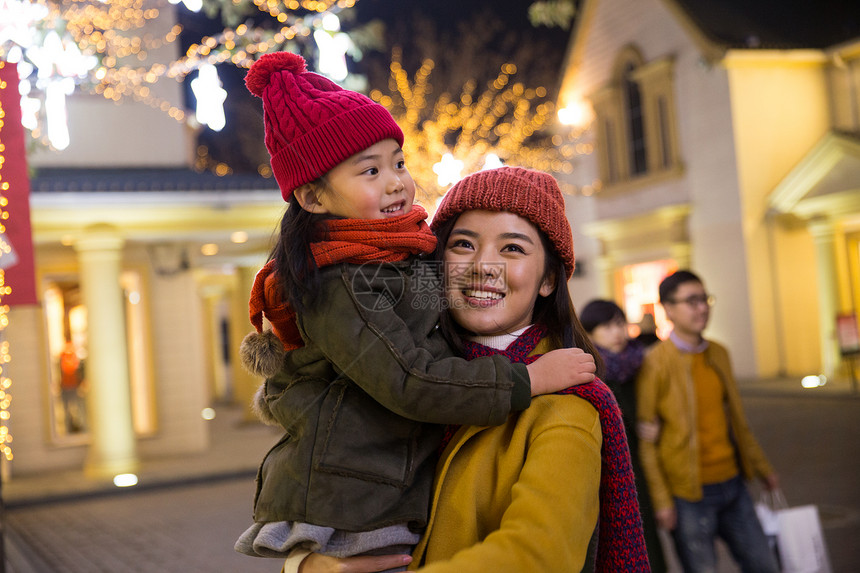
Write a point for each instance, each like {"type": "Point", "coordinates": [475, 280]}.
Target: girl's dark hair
{"type": "Point", "coordinates": [599, 312]}
{"type": "Point", "coordinates": [292, 254]}
{"type": "Point", "coordinates": [555, 311]}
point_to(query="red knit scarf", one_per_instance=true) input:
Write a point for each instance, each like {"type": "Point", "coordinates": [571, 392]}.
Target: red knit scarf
{"type": "Point", "coordinates": [343, 240]}
{"type": "Point", "coordinates": [620, 541]}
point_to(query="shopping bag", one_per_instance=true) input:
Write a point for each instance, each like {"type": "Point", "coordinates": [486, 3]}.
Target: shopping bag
{"type": "Point", "coordinates": [801, 541]}
{"type": "Point", "coordinates": [766, 508]}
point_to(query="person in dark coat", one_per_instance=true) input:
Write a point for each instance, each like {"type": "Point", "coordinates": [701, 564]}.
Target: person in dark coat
{"type": "Point", "coordinates": [606, 324]}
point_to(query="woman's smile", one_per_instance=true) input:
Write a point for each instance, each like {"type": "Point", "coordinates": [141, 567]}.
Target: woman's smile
{"type": "Point", "coordinates": [494, 271]}
{"type": "Point", "coordinates": [482, 296]}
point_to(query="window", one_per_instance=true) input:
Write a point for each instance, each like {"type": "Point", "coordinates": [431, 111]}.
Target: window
{"type": "Point", "coordinates": [635, 122]}
{"type": "Point", "coordinates": [636, 136]}
{"type": "Point", "coordinates": [665, 145]}
{"type": "Point", "coordinates": [611, 151]}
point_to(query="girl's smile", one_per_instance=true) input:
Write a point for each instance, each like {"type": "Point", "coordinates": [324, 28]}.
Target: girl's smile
{"type": "Point", "coordinates": [396, 209]}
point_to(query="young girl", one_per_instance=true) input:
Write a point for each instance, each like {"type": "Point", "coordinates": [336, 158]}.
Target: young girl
{"type": "Point", "coordinates": [348, 300]}
{"type": "Point", "coordinates": [524, 496]}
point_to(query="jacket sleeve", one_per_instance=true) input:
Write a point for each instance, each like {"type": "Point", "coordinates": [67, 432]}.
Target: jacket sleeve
{"type": "Point", "coordinates": [648, 383]}
{"type": "Point", "coordinates": [552, 513]}
{"type": "Point", "coordinates": [753, 457]}
{"type": "Point", "coordinates": [412, 374]}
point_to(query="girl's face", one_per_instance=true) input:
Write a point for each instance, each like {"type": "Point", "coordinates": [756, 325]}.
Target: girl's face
{"type": "Point", "coordinates": [372, 184]}
{"type": "Point", "coordinates": [494, 272]}
{"type": "Point", "coordinates": [611, 335]}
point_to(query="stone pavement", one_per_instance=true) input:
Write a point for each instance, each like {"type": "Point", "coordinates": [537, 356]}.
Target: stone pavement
{"type": "Point", "coordinates": [183, 516]}
{"type": "Point", "coordinates": [186, 511]}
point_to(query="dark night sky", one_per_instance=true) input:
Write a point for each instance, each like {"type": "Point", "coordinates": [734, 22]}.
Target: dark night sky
{"type": "Point", "coordinates": [514, 12]}
{"type": "Point", "coordinates": [449, 13]}
{"type": "Point", "coordinates": [455, 19]}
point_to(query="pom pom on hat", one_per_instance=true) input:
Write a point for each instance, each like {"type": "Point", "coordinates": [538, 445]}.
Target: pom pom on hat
{"type": "Point", "coordinates": [533, 195]}
{"type": "Point", "coordinates": [258, 76]}
{"type": "Point", "coordinates": [312, 124]}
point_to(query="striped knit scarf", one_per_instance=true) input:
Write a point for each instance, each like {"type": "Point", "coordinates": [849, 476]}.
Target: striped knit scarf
{"type": "Point", "coordinates": [343, 240]}
{"type": "Point", "coordinates": [620, 542]}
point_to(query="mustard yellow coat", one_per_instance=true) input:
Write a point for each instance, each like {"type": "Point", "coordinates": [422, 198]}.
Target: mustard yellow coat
{"type": "Point", "coordinates": [665, 393]}
{"type": "Point", "coordinates": [520, 497]}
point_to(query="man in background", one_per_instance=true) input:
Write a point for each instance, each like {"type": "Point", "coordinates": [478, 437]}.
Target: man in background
{"type": "Point", "coordinates": [696, 447]}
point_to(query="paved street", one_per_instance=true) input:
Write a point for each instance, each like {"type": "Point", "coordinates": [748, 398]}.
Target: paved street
{"type": "Point", "coordinates": [190, 526]}
{"type": "Point", "coordinates": [189, 529]}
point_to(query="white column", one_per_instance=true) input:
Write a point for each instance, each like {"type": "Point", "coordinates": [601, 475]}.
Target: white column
{"type": "Point", "coordinates": [112, 446]}
{"type": "Point", "coordinates": [828, 295]}
{"type": "Point", "coordinates": [245, 384]}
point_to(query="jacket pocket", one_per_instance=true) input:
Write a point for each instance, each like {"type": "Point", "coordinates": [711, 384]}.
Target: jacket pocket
{"type": "Point", "coordinates": [365, 440]}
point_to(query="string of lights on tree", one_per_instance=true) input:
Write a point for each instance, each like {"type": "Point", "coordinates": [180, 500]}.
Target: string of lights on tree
{"type": "Point", "coordinates": [505, 124]}
{"type": "Point", "coordinates": [5, 253]}
{"type": "Point", "coordinates": [100, 47]}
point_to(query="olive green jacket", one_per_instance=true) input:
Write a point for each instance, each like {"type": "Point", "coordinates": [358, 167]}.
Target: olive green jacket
{"type": "Point", "coordinates": [363, 401]}
{"type": "Point", "coordinates": [665, 394]}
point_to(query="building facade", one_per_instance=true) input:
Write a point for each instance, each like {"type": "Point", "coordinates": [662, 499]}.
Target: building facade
{"type": "Point", "coordinates": [143, 268]}
{"type": "Point", "coordinates": [730, 147]}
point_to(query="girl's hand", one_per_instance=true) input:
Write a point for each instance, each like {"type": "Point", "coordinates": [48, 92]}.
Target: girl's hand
{"type": "Point", "coordinates": [316, 563]}
{"type": "Point", "coordinates": [560, 369]}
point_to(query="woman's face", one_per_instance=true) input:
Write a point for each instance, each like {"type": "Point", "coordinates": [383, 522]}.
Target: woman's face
{"type": "Point", "coordinates": [494, 272]}
{"type": "Point", "coordinates": [611, 335]}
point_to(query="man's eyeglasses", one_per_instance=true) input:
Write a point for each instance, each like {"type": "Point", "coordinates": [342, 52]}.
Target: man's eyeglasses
{"type": "Point", "coordinates": [697, 300]}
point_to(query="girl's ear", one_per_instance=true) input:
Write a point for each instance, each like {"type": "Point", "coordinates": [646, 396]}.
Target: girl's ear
{"type": "Point", "coordinates": [547, 286]}
{"type": "Point", "coordinates": [308, 198]}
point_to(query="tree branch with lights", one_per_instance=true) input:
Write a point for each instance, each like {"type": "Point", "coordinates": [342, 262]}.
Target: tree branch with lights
{"type": "Point", "coordinates": [480, 96]}
{"type": "Point", "coordinates": [104, 47]}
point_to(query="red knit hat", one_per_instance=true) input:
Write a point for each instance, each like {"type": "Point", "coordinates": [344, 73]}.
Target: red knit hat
{"type": "Point", "coordinates": [533, 195]}
{"type": "Point", "coordinates": [312, 124]}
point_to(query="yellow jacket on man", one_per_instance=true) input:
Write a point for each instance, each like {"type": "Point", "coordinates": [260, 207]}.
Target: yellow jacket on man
{"type": "Point", "coordinates": [664, 394]}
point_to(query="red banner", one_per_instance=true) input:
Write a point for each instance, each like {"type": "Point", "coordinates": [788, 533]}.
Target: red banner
{"type": "Point", "coordinates": [16, 241]}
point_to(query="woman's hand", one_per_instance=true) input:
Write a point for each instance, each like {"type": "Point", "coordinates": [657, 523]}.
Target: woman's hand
{"type": "Point", "coordinates": [648, 431]}
{"type": "Point", "coordinates": [666, 518]}
{"type": "Point", "coordinates": [316, 563]}
{"type": "Point", "coordinates": [560, 369]}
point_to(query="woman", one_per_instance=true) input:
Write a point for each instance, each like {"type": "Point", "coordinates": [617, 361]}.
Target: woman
{"type": "Point", "coordinates": [606, 324]}
{"type": "Point", "coordinates": [523, 496]}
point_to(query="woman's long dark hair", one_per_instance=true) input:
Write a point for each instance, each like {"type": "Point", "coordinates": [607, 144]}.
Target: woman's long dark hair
{"type": "Point", "coordinates": [555, 311]}
{"type": "Point", "coordinates": [292, 256]}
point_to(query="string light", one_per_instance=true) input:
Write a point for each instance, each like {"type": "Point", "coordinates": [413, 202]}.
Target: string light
{"type": "Point", "coordinates": [448, 170]}
{"type": "Point", "coordinates": [507, 123]}
{"type": "Point", "coordinates": [5, 252]}
{"type": "Point", "coordinates": [210, 97]}
{"type": "Point", "coordinates": [95, 47]}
